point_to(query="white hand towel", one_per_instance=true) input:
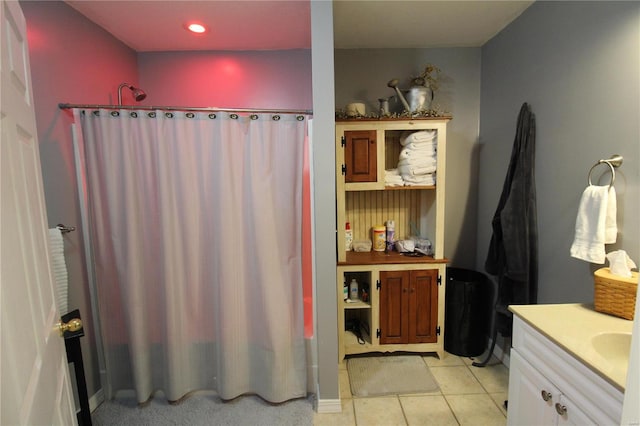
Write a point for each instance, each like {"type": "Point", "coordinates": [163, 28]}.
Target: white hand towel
{"type": "Point", "coordinates": [589, 240]}
{"type": "Point", "coordinates": [611, 227]}
{"type": "Point", "coordinates": [59, 268]}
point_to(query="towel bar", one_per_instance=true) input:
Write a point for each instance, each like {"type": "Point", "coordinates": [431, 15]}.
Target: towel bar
{"type": "Point", "coordinates": [614, 161]}
{"type": "Point", "coordinates": [65, 229]}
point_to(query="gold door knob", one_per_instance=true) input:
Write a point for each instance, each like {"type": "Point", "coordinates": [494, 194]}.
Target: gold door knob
{"type": "Point", "coordinates": [74, 324]}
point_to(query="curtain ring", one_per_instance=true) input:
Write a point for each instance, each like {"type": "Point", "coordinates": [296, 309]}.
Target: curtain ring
{"type": "Point", "coordinates": [613, 172]}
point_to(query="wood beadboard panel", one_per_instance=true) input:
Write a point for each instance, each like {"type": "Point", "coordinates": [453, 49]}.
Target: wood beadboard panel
{"type": "Point", "coordinates": [392, 149]}
{"type": "Point", "coordinates": [366, 209]}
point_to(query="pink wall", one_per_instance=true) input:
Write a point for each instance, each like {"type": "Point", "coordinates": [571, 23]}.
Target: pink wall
{"type": "Point", "coordinates": [248, 79]}
{"type": "Point", "coordinates": [72, 60]}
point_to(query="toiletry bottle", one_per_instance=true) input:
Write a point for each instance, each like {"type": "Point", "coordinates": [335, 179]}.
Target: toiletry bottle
{"type": "Point", "coordinates": [390, 235]}
{"type": "Point", "coordinates": [348, 235]}
{"type": "Point", "coordinates": [345, 291]}
{"type": "Point", "coordinates": [353, 290]}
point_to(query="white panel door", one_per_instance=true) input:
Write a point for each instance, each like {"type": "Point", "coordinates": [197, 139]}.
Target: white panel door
{"type": "Point", "coordinates": [34, 375]}
{"type": "Point", "coordinates": [531, 395]}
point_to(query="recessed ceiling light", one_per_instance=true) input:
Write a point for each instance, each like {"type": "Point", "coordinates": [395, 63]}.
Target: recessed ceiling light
{"type": "Point", "coordinates": [196, 27]}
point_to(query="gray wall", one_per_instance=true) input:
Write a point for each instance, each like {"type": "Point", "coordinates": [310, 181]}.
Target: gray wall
{"type": "Point", "coordinates": [578, 65]}
{"type": "Point", "coordinates": [324, 199]}
{"type": "Point", "coordinates": [362, 74]}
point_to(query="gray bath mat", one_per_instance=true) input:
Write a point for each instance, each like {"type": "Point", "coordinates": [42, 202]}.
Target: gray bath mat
{"type": "Point", "coordinates": [390, 375]}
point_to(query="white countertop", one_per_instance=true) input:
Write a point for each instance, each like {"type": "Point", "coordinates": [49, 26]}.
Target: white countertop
{"type": "Point", "coordinates": [572, 326]}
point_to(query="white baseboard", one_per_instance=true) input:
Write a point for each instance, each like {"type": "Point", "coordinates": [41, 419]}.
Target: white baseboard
{"type": "Point", "coordinates": [95, 400]}
{"type": "Point", "coordinates": [328, 406]}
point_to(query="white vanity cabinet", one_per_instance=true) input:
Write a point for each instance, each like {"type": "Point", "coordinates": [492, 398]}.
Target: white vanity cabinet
{"type": "Point", "coordinates": [548, 386]}
{"type": "Point", "coordinates": [544, 404]}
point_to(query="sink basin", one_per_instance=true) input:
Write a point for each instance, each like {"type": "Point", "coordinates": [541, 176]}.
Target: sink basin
{"type": "Point", "coordinates": [614, 347]}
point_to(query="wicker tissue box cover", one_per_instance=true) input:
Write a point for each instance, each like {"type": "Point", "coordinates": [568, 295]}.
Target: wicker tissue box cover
{"type": "Point", "coordinates": [615, 295]}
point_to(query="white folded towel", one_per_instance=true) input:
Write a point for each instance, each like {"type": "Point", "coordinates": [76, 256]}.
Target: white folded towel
{"type": "Point", "coordinates": [421, 136]}
{"type": "Point", "coordinates": [406, 153]}
{"type": "Point", "coordinates": [418, 162]}
{"type": "Point", "coordinates": [393, 178]}
{"type": "Point", "coordinates": [421, 146]}
{"type": "Point", "coordinates": [59, 268]}
{"type": "Point", "coordinates": [415, 170]}
{"type": "Point", "coordinates": [391, 172]}
{"type": "Point", "coordinates": [429, 179]}
{"type": "Point", "coordinates": [595, 224]}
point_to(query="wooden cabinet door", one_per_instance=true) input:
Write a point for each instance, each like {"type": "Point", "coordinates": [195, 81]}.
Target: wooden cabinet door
{"type": "Point", "coordinates": [360, 156]}
{"type": "Point", "coordinates": [422, 312]}
{"type": "Point", "coordinates": [408, 306]}
{"type": "Point", "coordinates": [394, 298]}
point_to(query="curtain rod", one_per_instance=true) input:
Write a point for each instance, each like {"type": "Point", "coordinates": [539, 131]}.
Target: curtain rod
{"type": "Point", "coordinates": [176, 108]}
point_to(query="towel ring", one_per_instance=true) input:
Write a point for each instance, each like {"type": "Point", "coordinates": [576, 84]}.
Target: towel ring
{"type": "Point", "coordinates": [614, 161]}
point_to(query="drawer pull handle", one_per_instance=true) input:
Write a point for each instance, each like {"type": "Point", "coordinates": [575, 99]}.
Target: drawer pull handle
{"type": "Point", "coordinates": [561, 409]}
{"type": "Point", "coordinates": [546, 395]}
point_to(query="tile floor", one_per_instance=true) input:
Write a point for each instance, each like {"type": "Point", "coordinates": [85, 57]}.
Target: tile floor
{"type": "Point", "coordinates": [467, 396]}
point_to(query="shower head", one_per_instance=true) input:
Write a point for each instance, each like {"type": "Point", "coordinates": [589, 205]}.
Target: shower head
{"type": "Point", "coordinates": [138, 94]}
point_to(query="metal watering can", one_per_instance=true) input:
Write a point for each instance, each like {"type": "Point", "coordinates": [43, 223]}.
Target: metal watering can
{"type": "Point", "coordinates": [418, 98]}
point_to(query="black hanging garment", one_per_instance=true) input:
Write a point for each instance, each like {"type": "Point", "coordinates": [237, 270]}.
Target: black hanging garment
{"type": "Point", "coordinates": [513, 251]}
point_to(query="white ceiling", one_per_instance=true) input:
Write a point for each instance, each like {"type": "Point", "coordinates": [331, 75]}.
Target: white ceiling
{"type": "Point", "coordinates": [267, 24]}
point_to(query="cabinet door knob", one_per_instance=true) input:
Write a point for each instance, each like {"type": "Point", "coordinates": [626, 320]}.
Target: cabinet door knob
{"type": "Point", "coordinates": [561, 409]}
{"type": "Point", "coordinates": [546, 395]}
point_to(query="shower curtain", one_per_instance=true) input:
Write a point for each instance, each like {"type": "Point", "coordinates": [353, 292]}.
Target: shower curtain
{"type": "Point", "coordinates": [195, 223]}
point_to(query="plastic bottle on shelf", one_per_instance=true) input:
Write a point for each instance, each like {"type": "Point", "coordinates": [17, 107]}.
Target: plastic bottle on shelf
{"type": "Point", "coordinates": [378, 240]}
{"type": "Point", "coordinates": [353, 290]}
{"type": "Point", "coordinates": [345, 291]}
{"type": "Point", "coordinates": [390, 235]}
{"type": "Point", "coordinates": [348, 236]}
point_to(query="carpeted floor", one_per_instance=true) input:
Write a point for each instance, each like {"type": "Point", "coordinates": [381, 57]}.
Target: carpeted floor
{"type": "Point", "coordinates": [204, 409]}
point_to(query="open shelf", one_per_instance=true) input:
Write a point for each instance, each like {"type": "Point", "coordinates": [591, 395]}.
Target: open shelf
{"type": "Point", "coordinates": [380, 257]}
{"type": "Point", "coordinates": [356, 305]}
